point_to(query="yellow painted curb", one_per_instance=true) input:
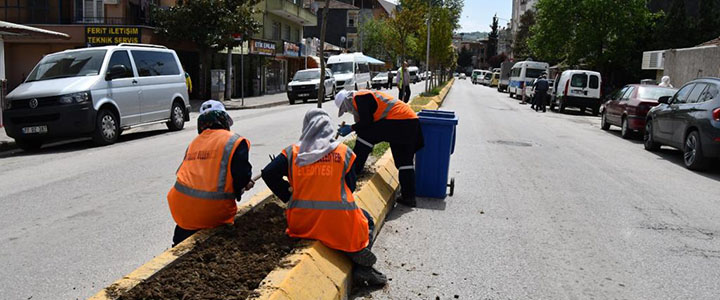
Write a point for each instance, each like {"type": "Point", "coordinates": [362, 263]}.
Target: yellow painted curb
{"type": "Point", "coordinates": [166, 258]}
{"type": "Point", "coordinates": [317, 272]}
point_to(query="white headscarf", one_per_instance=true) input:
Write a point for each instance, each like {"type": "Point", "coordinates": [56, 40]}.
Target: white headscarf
{"type": "Point", "coordinates": [665, 82]}
{"type": "Point", "coordinates": [317, 139]}
{"type": "Point", "coordinates": [343, 101]}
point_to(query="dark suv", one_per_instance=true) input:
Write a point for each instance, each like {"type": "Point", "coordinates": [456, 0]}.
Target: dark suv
{"type": "Point", "coordinates": [689, 121]}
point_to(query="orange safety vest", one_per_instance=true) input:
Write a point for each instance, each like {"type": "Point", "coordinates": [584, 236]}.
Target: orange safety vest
{"type": "Point", "coordinates": [387, 107]}
{"type": "Point", "coordinates": [203, 195]}
{"type": "Point", "coordinates": [322, 206]}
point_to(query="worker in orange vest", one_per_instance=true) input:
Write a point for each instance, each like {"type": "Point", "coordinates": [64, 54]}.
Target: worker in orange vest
{"type": "Point", "coordinates": [381, 118]}
{"type": "Point", "coordinates": [212, 176]}
{"type": "Point", "coordinates": [319, 195]}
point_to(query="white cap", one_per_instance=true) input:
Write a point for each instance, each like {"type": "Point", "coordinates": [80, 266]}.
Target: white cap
{"type": "Point", "coordinates": [211, 105]}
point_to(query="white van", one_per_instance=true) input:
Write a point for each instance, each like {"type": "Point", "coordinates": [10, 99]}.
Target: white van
{"type": "Point", "coordinates": [478, 75]}
{"type": "Point", "coordinates": [577, 88]}
{"type": "Point", "coordinates": [351, 71]}
{"type": "Point", "coordinates": [523, 74]}
{"type": "Point", "coordinates": [97, 92]}
{"type": "Point", "coordinates": [414, 76]}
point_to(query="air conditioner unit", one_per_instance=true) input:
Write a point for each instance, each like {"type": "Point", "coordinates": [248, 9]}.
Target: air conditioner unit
{"type": "Point", "coordinates": [653, 60]}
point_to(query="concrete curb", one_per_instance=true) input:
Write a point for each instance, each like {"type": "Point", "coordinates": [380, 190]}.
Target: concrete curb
{"type": "Point", "coordinates": [166, 258]}
{"type": "Point", "coordinates": [435, 101]}
{"type": "Point", "coordinates": [317, 272]}
{"type": "Point", "coordinates": [235, 105]}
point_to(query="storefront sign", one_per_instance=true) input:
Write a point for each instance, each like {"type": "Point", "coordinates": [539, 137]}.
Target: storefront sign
{"type": "Point", "coordinates": [111, 35]}
{"type": "Point", "coordinates": [291, 49]}
{"type": "Point", "coordinates": [262, 47]}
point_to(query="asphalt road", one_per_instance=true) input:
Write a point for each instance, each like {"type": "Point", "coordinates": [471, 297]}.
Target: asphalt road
{"type": "Point", "coordinates": [549, 206]}
{"type": "Point", "coordinates": [74, 217]}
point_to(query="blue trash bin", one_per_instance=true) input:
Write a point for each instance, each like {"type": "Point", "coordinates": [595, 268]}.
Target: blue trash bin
{"type": "Point", "coordinates": [432, 162]}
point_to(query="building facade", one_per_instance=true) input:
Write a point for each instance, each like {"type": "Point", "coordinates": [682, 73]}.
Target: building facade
{"type": "Point", "coordinates": [342, 25]}
{"type": "Point", "coordinates": [519, 7]}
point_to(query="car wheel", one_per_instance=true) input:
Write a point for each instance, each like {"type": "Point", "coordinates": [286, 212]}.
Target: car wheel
{"type": "Point", "coordinates": [692, 152]}
{"type": "Point", "coordinates": [625, 131]}
{"type": "Point", "coordinates": [512, 95]}
{"type": "Point", "coordinates": [304, 100]}
{"type": "Point", "coordinates": [107, 128]}
{"type": "Point", "coordinates": [604, 125]}
{"type": "Point", "coordinates": [562, 107]}
{"type": "Point", "coordinates": [648, 139]}
{"type": "Point", "coordinates": [29, 145]}
{"type": "Point", "coordinates": [368, 85]}
{"type": "Point", "coordinates": [292, 101]}
{"type": "Point", "coordinates": [177, 117]}
{"type": "Point", "coordinates": [596, 111]}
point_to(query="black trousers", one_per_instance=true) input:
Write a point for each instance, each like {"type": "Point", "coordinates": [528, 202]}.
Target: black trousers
{"type": "Point", "coordinates": [405, 138]}
{"type": "Point", "coordinates": [181, 234]}
{"type": "Point", "coordinates": [539, 101]}
{"type": "Point", "coordinates": [404, 94]}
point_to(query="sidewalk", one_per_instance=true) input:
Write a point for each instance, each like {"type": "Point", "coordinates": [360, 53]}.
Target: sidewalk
{"type": "Point", "coordinates": [250, 102]}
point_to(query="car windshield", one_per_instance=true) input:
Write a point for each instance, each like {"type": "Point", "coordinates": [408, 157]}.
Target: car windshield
{"type": "Point", "coordinates": [654, 93]}
{"type": "Point", "coordinates": [341, 68]}
{"type": "Point", "coordinates": [306, 75]}
{"type": "Point", "coordinates": [533, 73]}
{"type": "Point", "coordinates": [72, 64]}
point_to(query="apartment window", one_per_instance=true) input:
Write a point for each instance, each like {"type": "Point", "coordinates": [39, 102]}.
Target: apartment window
{"type": "Point", "coordinates": [297, 36]}
{"type": "Point", "coordinates": [276, 31]}
{"type": "Point", "coordinates": [352, 37]}
{"type": "Point", "coordinates": [89, 11]}
{"type": "Point", "coordinates": [286, 33]}
{"type": "Point", "coordinates": [352, 18]}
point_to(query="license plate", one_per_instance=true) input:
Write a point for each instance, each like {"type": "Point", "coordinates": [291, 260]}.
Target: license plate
{"type": "Point", "coordinates": [35, 129]}
{"type": "Point", "coordinates": [577, 92]}
{"type": "Point", "coordinates": [303, 95]}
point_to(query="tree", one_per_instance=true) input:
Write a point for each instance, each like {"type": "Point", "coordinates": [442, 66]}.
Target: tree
{"type": "Point", "coordinates": [521, 50]}
{"type": "Point", "coordinates": [708, 26]}
{"type": "Point", "coordinates": [496, 60]}
{"type": "Point", "coordinates": [678, 26]}
{"type": "Point", "coordinates": [207, 23]}
{"type": "Point", "coordinates": [493, 38]}
{"type": "Point", "coordinates": [408, 19]}
{"type": "Point", "coordinates": [464, 59]}
{"type": "Point", "coordinates": [323, 27]}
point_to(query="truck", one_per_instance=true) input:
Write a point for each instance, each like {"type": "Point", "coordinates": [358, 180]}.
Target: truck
{"type": "Point", "coordinates": [505, 68]}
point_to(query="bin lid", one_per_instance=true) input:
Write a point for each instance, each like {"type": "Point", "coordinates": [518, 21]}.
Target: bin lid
{"type": "Point", "coordinates": [439, 119]}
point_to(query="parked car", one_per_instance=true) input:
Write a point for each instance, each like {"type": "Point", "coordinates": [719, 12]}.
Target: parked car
{"type": "Point", "coordinates": [628, 107]}
{"type": "Point", "coordinates": [96, 92]}
{"type": "Point", "coordinates": [305, 85]}
{"type": "Point", "coordinates": [486, 80]}
{"type": "Point", "coordinates": [495, 79]}
{"type": "Point", "coordinates": [394, 77]}
{"type": "Point", "coordinates": [689, 121]}
{"type": "Point", "coordinates": [413, 71]}
{"type": "Point", "coordinates": [351, 71]}
{"type": "Point", "coordinates": [530, 92]}
{"type": "Point", "coordinates": [478, 75]}
{"type": "Point", "coordinates": [462, 76]}
{"type": "Point", "coordinates": [380, 81]}
{"type": "Point", "coordinates": [577, 88]}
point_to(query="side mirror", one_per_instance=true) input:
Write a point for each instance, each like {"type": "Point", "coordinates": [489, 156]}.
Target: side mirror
{"type": "Point", "coordinates": [116, 71]}
{"type": "Point", "coordinates": [664, 100]}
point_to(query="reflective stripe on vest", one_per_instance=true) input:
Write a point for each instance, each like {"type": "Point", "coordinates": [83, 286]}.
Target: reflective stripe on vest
{"type": "Point", "coordinates": [222, 175]}
{"type": "Point", "coordinates": [390, 103]}
{"type": "Point", "coordinates": [317, 204]}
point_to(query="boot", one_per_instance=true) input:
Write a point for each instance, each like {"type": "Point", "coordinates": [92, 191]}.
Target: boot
{"type": "Point", "coordinates": [368, 276]}
{"type": "Point", "coordinates": [364, 257]}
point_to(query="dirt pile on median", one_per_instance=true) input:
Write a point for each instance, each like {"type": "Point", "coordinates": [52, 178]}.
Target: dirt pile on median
{"type": "Point", "coordinates": [229, 265]}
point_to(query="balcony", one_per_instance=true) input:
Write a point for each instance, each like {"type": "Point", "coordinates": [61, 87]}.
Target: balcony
{"type": "Point", "coordinates": [289, 10]}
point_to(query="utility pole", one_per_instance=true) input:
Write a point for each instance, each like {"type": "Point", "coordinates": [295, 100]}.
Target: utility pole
{"type": "Point", "coordinates": [321, 88]}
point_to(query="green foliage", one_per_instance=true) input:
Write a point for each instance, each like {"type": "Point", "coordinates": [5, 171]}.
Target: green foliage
{"type": "Point", "coordinates": [521, 49]}
{"type": "Point", "coordinates": [464, 59]}
{"type": "Point", "coordinates": [493, 37]}
{"type": "Point", "coordinates": [708, 26]}
{"type": "Point", "coordinates": [603, 35]}
{"type": "Point", "coordinates": [380, 149]}
{"type": "Point", "coordinates": [208, 23]}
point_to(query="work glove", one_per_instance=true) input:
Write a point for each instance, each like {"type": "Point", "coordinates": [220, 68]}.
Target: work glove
{"type": "Point", "coordinates": [345, 130]}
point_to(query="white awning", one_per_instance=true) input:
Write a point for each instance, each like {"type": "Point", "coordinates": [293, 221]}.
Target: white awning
{"type": "Point", "coordinates": [374, 61]}
{"type": "Point", "coordinates": [21, 31]}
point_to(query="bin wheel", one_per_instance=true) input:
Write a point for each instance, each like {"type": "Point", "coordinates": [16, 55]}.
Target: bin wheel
{"type": "Point", "coordinates": [452, 187]}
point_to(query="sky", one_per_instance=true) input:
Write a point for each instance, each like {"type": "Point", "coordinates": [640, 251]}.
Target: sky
{"type": "Point", "coordinates": [477, 14]}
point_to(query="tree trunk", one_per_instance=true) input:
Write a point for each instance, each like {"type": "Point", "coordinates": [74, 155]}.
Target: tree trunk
{"type": "Point", "coordinates": [321, 88]}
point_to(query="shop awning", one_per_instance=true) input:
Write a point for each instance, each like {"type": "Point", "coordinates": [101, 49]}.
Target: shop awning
{"type": "Point", "coordinates": [26, 32]}
{"type": "Point", "coordinates": [374, 61]}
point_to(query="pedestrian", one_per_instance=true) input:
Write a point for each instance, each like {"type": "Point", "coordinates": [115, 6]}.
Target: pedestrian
{"type": "Point", "coordinates": [212, 176]}
{"type": "Point", "coordinates": [381, 118]}
{"type": "Point", "coordinates": [390, 79]}
{"type": "Point", "coordinates": [188, 81]}
{"type": "Point", "coordinates": [404, 82]}
{"type": "Point", "coordinates": [665, 82]}
{"type": "Point", "coordinates": [541, 86]}
{"type": "Point", "coordinates": [319, 195]}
